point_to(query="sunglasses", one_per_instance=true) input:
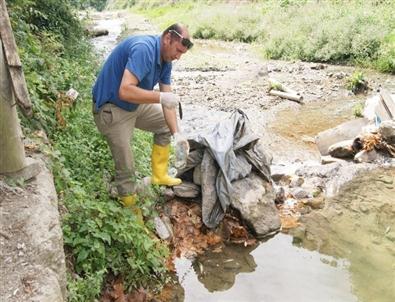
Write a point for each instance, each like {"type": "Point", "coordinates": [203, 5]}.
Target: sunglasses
{"type": "Point", "coordinates": [184, 41]}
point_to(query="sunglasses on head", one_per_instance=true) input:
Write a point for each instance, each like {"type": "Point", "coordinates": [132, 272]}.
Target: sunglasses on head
{"type": "Point", "coordinates": [184, 41]}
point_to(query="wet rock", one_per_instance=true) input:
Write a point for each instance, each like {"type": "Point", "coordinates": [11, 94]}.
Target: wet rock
{"type": "Point", "coordinates": [387, 131]}
{"type": "Point", "coordinates": [254, 198]}
{"type": "Point", "coordinates": [342, 149]}
{"type": "Point", "coordinates": [345, 131]}
{"type": "Point", "coordinates": [365, 156]}
{"type": "Point", "coordinates": [187, 190]}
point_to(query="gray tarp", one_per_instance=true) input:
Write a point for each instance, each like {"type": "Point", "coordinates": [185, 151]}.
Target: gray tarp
{"type": "Point", "coordinates": [228, 152]}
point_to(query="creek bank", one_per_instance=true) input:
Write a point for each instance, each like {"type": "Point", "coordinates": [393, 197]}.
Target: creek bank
{"type": "Point", "coordinates": [31, 241]}
{"type": "Point", "coordinates": [216, 77]}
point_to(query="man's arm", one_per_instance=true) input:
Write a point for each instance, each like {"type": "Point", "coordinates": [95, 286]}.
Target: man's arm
{"type": "Point", "coordinates": [169, 114]}
{"type": "Point", "coordinates": [130, 92]}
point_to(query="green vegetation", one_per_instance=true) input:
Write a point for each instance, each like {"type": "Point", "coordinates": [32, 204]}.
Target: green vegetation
{"type": "Point", "coordinates": [353, 32]}
{"type": "Point", "coordinates": [356, 82]}
{"type": "Point", "coordinates": [358, 109]}
{"type": "Point", "coordinates": [100, 236]}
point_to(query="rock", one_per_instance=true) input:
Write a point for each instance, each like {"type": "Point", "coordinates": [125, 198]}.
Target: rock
{"type": "Point", "coordinates": [254, 198]}
{"type": "Point", "coordinates": [280, 195]}
{"type": "Point", "coordinates": [296, 181]}
{"type": "Point", "coordinates": [97, 32]}
{"type": "Point", "coordinates": [326, 171]}
{"type": "Point", "coordinates": [318, 66]}
{"type": "Point", "coordinates": [387, 131]}
{"type": "Point", "coordinates": [366, 156]}
{"type": "Point", "coordinates": [164, 231]}
{"type": "Point", "coordinates": [327, 159]}
{"type": "Point", "coordinates": [168, 194]}
{"type": "Point", "coordinates": [31, 169]}
{"type": "Point", "coordinates": [187, 190]}
{"type": "Point", "coordinates": [300, 193]}
{"type": "Point", "coordinates": [316, 203]}
{"type": "Point", "coordinates": [197, 175]}
{"type": "Point", "coordinates": [342, 149]}
{"type": "Point", "coordinates": [345, 131]}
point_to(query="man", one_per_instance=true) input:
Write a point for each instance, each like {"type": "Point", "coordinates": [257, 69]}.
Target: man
{"type": "Point", "coordinates": [124, 98]}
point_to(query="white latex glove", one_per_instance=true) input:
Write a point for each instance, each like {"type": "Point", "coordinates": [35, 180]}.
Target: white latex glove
{"type": "Point", "coordinates": [169, 99]}
{"type": "Point", "coordinates": [181, 150]}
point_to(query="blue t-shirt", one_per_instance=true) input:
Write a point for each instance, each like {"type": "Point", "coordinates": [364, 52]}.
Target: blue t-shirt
{"type": "Point", "coordinates": [141, 56]}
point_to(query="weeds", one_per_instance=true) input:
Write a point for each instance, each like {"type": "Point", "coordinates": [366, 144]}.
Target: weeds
{"type": "Point", "coordinates": [354, 32]}
{"type": "Point", "coordinates": [101, 236]}
{"type": "Point", "coordinates": [356, 82]}
{"type": "Point", "coordinates": [358, 110]}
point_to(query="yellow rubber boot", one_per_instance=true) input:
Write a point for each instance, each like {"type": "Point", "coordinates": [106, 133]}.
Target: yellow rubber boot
{"type": "Point", "coordinates": [159, 162]}
{"type": "Point", "coordinates": [130, 202]}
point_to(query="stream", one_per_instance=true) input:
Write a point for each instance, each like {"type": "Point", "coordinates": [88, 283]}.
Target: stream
{"type": "Point", "coordinates": [342, 252]}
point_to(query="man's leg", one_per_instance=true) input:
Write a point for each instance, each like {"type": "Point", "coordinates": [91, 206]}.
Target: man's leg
{"type": "Point", "coordinates": [117, 126]}
{"type": "Point", "coordinates": [150, 118]}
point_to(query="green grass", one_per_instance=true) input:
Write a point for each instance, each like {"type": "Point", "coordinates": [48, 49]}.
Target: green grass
{"type": "Point", "coordinates": [101, 237]}
{"type": "Point", "coordinates": [360, 33]}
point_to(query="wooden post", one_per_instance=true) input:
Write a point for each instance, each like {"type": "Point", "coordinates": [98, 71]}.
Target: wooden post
{"type": "Point", "coordinates": [12, 153]}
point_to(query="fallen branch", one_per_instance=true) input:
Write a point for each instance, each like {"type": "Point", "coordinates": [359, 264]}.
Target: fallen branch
{"type": "Point", "coordinates": [289, 96]}
{"type": "Point", "coordinates": [276, 85]}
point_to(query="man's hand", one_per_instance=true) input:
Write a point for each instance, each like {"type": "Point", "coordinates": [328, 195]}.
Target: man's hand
{"type": "Point", "coordinates": [169, 99]}
{"type": "Point", "coordinates": [181, 150]}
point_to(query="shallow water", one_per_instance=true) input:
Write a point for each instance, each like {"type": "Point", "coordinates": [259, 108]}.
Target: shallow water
{"type": "Point", "coordinates": [346, 253]}
{"type": "Point", "coordinates": [275, 270]}
{"type": "Point", "coordinates": [359, 224]}
{"type": "Point", "coordinates": [302, 124]}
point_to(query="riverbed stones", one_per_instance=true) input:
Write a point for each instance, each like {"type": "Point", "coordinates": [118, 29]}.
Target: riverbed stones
{"type": "Point", "coordinates": [254, 198]}
{"type": "Point", "coordinates": [365, 156]}
{"type": "Point", "coordinates": [346, 131]}
{"type": "Point", "coordinates": [387, 131]}
{"type": "Point", "coordinates": [342, 149]}
{"type": "Point", "coordinates": [323, 171]}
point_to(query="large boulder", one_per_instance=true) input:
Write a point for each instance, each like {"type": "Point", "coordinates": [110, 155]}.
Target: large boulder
{"type": "Point", "coordinates": [346, 131]}
{"type": "Point", "coordinates": [254, 198]}
{"type": "Point", "coordinates": [387, 131]}
{"type": "Point", "coordinates": [342, 149]}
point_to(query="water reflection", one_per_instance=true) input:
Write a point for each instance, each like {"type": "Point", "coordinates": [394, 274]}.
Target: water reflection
{"type": "Point", "coordinates": [359, 224]}
{"type": "Point", "coordinates": [276, 270]}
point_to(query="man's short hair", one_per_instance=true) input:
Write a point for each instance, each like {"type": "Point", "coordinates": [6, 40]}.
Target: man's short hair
{"type": "Point", "coordinates": [177, 27]}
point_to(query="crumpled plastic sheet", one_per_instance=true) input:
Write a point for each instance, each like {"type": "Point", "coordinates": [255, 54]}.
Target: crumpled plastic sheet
{"type": "Point", "coordinates": [228, 152]}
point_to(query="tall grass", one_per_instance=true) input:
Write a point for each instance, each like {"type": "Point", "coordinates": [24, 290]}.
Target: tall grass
{"type": "Point", "coordinates": [352, 32]}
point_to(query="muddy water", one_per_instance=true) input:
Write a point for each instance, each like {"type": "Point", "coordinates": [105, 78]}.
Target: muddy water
{"type": "Point", "coordinates": [276, 270]}
{"type": "Point", "coordinates": [302, 124]}
{"type": "Point", "coordinates": [359, 224]}
{"type": "Point", "coordinates": [346, 252]}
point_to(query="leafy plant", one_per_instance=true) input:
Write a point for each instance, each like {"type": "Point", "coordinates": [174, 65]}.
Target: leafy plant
{"type": "Point", "coordinates": [356, 82]}
{"type": "Point", "coordinates": [358, 110]}
{"type": "Point", "coordinates": [100, 235]}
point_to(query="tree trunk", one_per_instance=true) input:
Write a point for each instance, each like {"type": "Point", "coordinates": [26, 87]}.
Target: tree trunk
{"type": "Point", "coordinates": [12, 153]}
